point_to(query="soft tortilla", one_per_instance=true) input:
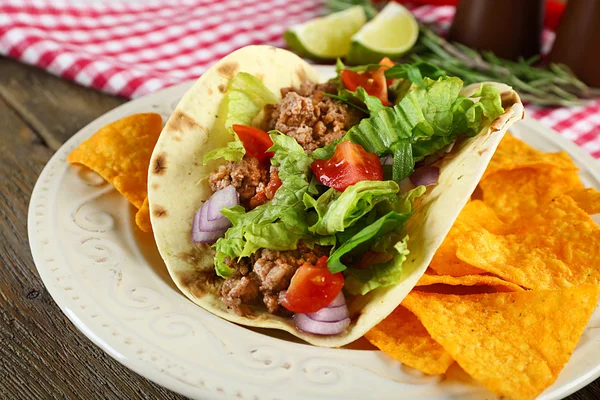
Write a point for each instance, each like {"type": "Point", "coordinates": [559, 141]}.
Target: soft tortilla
{"type": "Point", "coordinates": [177, 186]}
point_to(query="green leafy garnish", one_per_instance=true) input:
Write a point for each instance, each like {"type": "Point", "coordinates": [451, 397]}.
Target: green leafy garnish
{"type": "Point", "coordinates": [337, 211]}
{"type": "Point", "coordinates": [245, 98]}
{"type": "Point", "coordinates": [278, 224]}
{"type": "Point", "coordinates": [428, 118]}
{"type": "Point", "coordinates": [362, 240]}
{"type": "Point", "coordinates": [362, 281]}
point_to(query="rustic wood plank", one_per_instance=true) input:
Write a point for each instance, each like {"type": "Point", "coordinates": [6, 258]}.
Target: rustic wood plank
{"type": "Point", "coordinates": [42, 355]}
{"type": "Point", "coordinates": [55, 108]}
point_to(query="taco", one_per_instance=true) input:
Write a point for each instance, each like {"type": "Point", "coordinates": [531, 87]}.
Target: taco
{"type": "Point", "coordinates": [281, 201]}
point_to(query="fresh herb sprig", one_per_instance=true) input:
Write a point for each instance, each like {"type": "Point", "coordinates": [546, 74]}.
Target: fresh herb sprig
{"type": "Point", "coordinates": [554, 85]}
{"type": "Point", "coordinates": [340, 5]}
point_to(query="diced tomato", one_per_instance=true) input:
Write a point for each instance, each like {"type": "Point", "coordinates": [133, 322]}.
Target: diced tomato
{"type": "Point", "coordinates": [273, 185]}
{"type": "Point", "coordinates": [263, 196]}
{"type": "Point", "coordinates": [256, 142]}
{"type": "Point", "coordinates": [373, 258]}
{"type": "Point", "coordinates": [312, 288]}
{"type": "Point", "coordinates": [372, 81]}
{"type": "Point", "coordinates": [350, 164]}
{"type": "Point", "coordinates": [386, 63]}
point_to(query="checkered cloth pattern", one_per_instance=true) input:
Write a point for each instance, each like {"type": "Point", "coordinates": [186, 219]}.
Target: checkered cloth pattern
{"type": "Point", "coordinates": [137, 47]}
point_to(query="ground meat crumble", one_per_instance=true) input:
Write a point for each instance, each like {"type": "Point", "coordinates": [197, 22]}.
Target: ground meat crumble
{"type": "Point", "coordinates": [251, 179]}
{"type": "Point", "coordinates": [309, 116]}
{"type": "Point", "coordinates": [265, 276]}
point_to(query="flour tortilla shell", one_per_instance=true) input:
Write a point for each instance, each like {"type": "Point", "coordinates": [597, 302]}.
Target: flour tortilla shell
{"type": "Point", "coordinates": [178, 185]}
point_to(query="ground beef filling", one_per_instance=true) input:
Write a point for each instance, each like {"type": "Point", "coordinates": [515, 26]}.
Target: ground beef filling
{"type": "Point", "coordinates": [309, 116]}
{"type": "Point", "coordinates": [252, 180]}
{"type": "Point", "coordinates": [265, 276]}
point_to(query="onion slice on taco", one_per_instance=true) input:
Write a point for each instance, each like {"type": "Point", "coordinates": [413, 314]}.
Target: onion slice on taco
{"type": "Point", "coordinates": [281, 201]}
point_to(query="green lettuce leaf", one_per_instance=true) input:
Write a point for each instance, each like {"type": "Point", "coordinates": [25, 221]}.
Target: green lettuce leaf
{"type": "Point", "coordinates": [278, 224]}
{"type": "Point", "coordinates": [245, 98]}
{"type": "Point", "coordinates": [234, 151]}
{"type": "Point", "coordinates": [414, 73]}
{"type": "Point", "coordinates": [359, 99]}
{"type": "Point", "coordinates": [362, 240]}
{"type": "Point", "coordinates": [427, 118]}
{"type": "Point", "coordinates": [362, 281]}
{"type": "Point", "coordinates": [337, 211]}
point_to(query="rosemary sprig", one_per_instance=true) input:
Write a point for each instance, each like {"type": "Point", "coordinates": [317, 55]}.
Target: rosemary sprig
{"type": "Point", "coordinates": [340, 5]}
{"type": "Point", "coordinates": [555, 85]}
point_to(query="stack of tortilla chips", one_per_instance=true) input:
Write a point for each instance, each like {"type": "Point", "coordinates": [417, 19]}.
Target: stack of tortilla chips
{"type": "Point", "coordinates": [510, 291]}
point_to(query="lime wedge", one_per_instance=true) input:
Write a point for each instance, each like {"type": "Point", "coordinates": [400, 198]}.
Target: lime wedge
{"type": "Point", "coordinates": [327, 37]}
{"type": "Point", "coordinates": [391, 33]}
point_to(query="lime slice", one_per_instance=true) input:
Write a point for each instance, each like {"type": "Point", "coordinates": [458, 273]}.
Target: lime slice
{"type": "Point", "coordinates": [326, 37]}
{"type": "Point", "coordinates": [391, 33]}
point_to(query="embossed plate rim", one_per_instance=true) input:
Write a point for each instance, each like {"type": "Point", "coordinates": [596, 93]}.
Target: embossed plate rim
{"type": "Point", "coordinates": [115, 349]}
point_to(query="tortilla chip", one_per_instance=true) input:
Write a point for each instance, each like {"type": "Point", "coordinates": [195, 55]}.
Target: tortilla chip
{"type": "Point", "coordinates": [587, 199]}
{"type": "Point", "coordinates": [142, 218]}
{"type": "Point", "coordinates": [517, 194]}
{"type": "Point", "coordinates": [558, 247]}
{"type": "Point", "coordinates": [475, 214]}
{"type": "Point", "coordinates": [513, 153]}
{"type": "Point", "coordinates": [469, 280]}
{"type": "Point", "coordinates": [120, 153]}
{"type": "Point", "coordinates": [403, 337]}
{"type": "Point", "coordinates": [514, 343]}
{"type": "Point", "coordinates": [445, 262]}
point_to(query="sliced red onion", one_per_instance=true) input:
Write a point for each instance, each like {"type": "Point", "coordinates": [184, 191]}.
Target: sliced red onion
{"type": "Point", "coordinates": [330, 314]}
{"type": "Point", "coordinates": [206, 237]}
{"type": "Point", "coordinates": [339, 300]}
{"type": "Point", "coordinates": [449, 147]}
{"type": "Point", "coordinates": [210, 226]}
{"type": "Point", "coordinates": [224, 198]}
{"type": "Point", "coordinates": [426, 176]}
{"type": "Point", "coordinates": [430, 159]}
{"type": "Point", "coordinates": [406, 185]}
{"type": "Point", "coordinates": [304, 323]}
{"type": "Point", "coordinates": [387, 160]}
{"type": "Point", "coordinates": [329, 320]}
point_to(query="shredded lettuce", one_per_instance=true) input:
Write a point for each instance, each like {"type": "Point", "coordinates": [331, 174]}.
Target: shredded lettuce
{"type": "Point", "coordinates": [246, 96]}
{"type": "Point", "coordinates": [362, 281]}
{"type": "Point", "coordinates": [362, 240]}
{"type": "Point", "coordinates": [414, 73]}
{"type": "Point", "coordinates": [338, 210]}
{"type": "Point", "coordinates": [278, 224]}
{"type": "Point", "coordinates": [386, 235]}
{"type": "Point", "coordinates": [424, 121]}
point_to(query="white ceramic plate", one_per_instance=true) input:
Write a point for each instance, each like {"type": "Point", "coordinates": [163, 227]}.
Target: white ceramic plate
{"type": "Point", "coordinates": [108, 278]}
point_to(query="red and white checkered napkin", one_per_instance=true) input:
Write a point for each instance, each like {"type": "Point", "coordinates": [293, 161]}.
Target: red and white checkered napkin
{"type": "Point", "coordinates": [131, 48]}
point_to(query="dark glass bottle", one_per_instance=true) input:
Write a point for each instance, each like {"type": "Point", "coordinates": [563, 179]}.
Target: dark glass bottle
{"type": "Point", "coordinates": [577, 41]}
{"type": "Point", "coordinates": [509, 28]}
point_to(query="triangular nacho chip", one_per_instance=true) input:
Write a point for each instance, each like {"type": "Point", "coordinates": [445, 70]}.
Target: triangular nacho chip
{"type": "Point", "coordinates": [142, 217]}
{"type": "Point", "coordinates": [558, 247]}
{"type": "Point", "coordinates": [587, 199]}
{"type": "Point", "coordinates": [517, 194]}
{"type": "Point", "coordinates": [120, 153]}
{"type": "Point", "coordinates": [475, 214]}
{"type": "Point", "coordinates": [514, 343]}
{"type": "Point", "coordinates": [513, 153]}
{"type": "Point", "coordinates": [469, 280]}
{"type": "Point", "coordinates": [403, 337]}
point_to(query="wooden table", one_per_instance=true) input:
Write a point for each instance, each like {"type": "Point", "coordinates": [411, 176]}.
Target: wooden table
{"type": "Point", "coordinates": [42, 355]}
